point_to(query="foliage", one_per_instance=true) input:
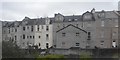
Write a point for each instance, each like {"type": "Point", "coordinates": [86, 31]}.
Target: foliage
{"type": "Point", "coordinates": [11, 50]}
{"type": "Point", "coordinates": [115, 55]}
{"type": "Point", "coordinates": [50, 57]}
{"type": "Point", "coordinates": [85, 56]}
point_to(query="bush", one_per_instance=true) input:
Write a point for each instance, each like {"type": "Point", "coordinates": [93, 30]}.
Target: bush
{"type": "Point", "coordinates": [11, 50]}
{"type": "Point", "coordinates": [85, 55]}
{"type": "Point", "coordinates": [50, 57]}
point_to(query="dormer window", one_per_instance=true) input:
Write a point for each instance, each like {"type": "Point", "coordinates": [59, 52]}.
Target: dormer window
{"type": "Point", "coordinates": [87, 16]}
{"type": "Point", "coordinates": [59, 17]}
{"type": "Point", "coordinates": [47, 20]}
{"type": "Point", "coordinates": [26, 22]}
{"type": "Point", "coordinates": [69, 20]}
{"type": "Point", "coordinates": [102, 14]}
{"type": "Point", "coordinates": [76, 19]}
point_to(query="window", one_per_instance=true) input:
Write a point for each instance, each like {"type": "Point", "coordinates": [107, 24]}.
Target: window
{"type": "Point", "coordinates": [77, 44]}
{"type": "Point", "coordinates": [23, 28]}
{"type": "Point", "coordinates": [39, 44]}
{"type": "Point", "coordinates": [15, 30]}
{"type": "Point", "coordinates": [27, 36]}
{"type": "Point", "coordinates": [32, 28]}
{"type": "Point", "coordinates": [9, 30]}
{"type": "Point", "coordinates": [102, 42]}
{"type": "Point", "coordinates": [76, 19]}
{"type": "Point", "coordinates": [12, 29]}
{"type": "Point", "coordinates": [47, 36]}
{"type": "Point", "coordinates": [47, 45]}
{"type": "Point", "coordinates": [47, 28]}
{"type": "Point", "coordinates": [116, 23]}
{"type": "Point", "coordinates": [63, 34]}
{"type": "Point", "coordinates": [70, 20]}
{"type": "Point", "coordinates": [33, 37]}
{"type": "Point", "coordinates": [89, 33]}
{"type": "Point", "coordinates": [42, 27]}
{"type": "Point", "coordinates": [30, 36]}
{"type": "Point", "coordinates": [77, 34]}
{"type": "Point", "coordinates": [27, 27]}
{"type": "Point", "coordinates": [89, 36]}
{"type": "Point", "coordinates": [23, 36]}
{"type": "Point", "coordinates": [39, 36]}
{"type": "Point", "coordinates": [114, 33]}
{"type": "Point", "coordinates": [38, 28]}
{"type": "Point", "coordinates": [102, 23]}
{"type": "Point", "coordinates": [113, 43]}
{"type": "Point", "coordinates": [15, 37]}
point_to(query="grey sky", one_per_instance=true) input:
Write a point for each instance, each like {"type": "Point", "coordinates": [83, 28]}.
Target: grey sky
{"type": "Point", "coordinates": [17, 10]}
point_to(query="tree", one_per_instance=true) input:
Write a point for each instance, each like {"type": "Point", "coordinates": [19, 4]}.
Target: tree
{"type": "Point", "coordinates": [11, 50]}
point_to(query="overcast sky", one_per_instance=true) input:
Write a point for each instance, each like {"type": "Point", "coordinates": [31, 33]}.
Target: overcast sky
{"type": "Point", "coordinates": [12, 10]}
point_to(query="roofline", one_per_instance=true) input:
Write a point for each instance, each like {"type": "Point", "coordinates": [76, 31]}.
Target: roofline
{"type": "Point", "coordinates": [73, 26]}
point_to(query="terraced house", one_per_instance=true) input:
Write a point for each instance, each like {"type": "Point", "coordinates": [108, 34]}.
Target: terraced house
{"type": "Point", "coordinates": [89, 30]}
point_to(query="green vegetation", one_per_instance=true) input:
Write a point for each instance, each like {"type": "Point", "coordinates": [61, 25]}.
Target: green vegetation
{"type": "Point", "coordinates": [11, 50]}
{"type": "Point", "coordinates": [85, 55]}
{"type": "Point", "coordinates": [50, 57]}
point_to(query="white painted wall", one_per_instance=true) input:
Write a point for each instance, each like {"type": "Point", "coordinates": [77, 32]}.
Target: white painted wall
{"type": "Point", "coordinates": [42, 33]}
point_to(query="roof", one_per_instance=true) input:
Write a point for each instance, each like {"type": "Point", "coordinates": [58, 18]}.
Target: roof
{"type": "Point", "coordinates": [11, 24]}
{"type": "Point", "coordinates": [73, 18]}
{"type": "Point", "coordinates": [72, 26]}
{"type": "Point", "coordinates": [38, 21]}
{"type": "Point", "coordinates": [90, 14]}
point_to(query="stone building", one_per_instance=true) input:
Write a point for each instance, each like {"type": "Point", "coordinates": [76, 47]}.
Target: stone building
{"type": "Point", "coordinates": [29, 32]}
{"type": "Point", "coordinates": [101, 27]}
{"type": "Point", "coordinates": [89, 30]}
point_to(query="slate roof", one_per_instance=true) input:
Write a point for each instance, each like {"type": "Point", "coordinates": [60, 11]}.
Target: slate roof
{"type": "Point", "coordinates": [73, 17]}
{"type": "Point", "coordinates": [72, 26]}
{"type": "Point", "coordinates": [41, 21]}
{"type": "Point", "coordinates": [11, 24]}
{"type": "Point", "coordinates": [38, 21]}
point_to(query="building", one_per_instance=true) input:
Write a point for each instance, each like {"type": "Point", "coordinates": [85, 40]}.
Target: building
{"type": "Point", "coordinates": [101, 28]}
{"type": "Point", "coordinates": [29, 32]}
{"type": "Point", "coordinates": [71, 36]}
{"type": "Point", "coordinates": [89, 30]}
